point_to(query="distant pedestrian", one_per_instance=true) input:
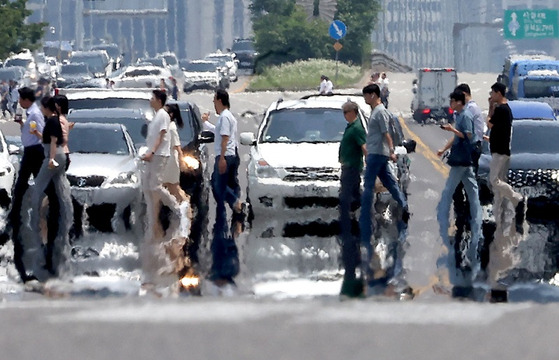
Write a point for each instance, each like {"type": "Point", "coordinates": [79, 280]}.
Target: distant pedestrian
{"type": "Point", "coordinates": [326, 85]}
{"type": "Point", "coordinates": [380, 150]}
{"type": "Point", "coordinates": [352, 149]}
{"type": "Point", "coordinates": [107, 83]}
{"type": "Point", "coordinates": [4, 97]}
{"type": "Point", "coordinates": [13, 97]}
{"type": "Point", "coordinates": [499, 121]}
{"type": "Point", "coordinates": [460, 144]}
{"type": "Point", "coordinates": [174, 89]}
{"type": "Point", "coordinates": [52, 170]}
{"type": "Point", "coordinates": [384, 91]}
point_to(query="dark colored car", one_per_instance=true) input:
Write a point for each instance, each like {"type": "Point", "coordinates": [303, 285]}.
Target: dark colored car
{"type": "Point", "coordinates": [73, 74]}
{"type": "Point", "coordinates": [246, 54]}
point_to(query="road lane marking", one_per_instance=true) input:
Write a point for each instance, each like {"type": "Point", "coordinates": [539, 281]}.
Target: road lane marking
{"type": "Point", "coordinates": [243, 87]}
{"type": "Point", "coordinates": [425, 150]}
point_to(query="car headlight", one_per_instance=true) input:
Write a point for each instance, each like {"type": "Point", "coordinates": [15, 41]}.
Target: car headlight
{"type": "Point", "coordinates": [264, 170]}
{"type": "Point", "coordinates": [128, 177]}
{"type": "Point", "coordinates": [191, 162]}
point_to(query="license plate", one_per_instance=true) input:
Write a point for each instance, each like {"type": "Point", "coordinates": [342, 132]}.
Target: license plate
{"type": "Point", "coordinates": [312, 190]}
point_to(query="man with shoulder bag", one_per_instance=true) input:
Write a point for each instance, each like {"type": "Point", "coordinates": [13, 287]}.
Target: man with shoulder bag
{"type": "Point", "coordinates": [461, 170]}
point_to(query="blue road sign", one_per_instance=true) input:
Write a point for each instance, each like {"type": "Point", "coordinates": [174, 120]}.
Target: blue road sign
{"type": "Point", "coordinates": [337, 29]}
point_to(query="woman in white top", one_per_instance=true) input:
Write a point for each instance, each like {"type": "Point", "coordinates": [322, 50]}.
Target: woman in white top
{"type": "Point", "coordinates": [171, 175]}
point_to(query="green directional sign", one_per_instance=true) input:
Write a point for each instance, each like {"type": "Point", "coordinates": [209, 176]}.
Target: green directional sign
{"type": "Point", "coordinates": [531, 24]}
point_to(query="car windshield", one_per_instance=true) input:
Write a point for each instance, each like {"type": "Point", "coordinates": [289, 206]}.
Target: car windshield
{"type": "Point", "coordinates": [170, 59]}
{"type": "Point", "coordinates": [133, 124]}
{"type": "Point", "coordinates": [95, 62]}
{"type": "Point", "coordinates": [243, 46]}
{"type": "Point", "coordinates": [17, 62]}
{"type": "Point", "coordinates": [201, 67]}
{"type": "Point", "coordinates": [304, 125]}
{"type": "Point", "coordinates": [97, 140]}
{"type": "Point", "coordinates": [7, 74]}
{"type": "Point", "coordinates": [524, 139]}
{"type": "Point", "coordinates": [541, 88]}
{"type": "Point", "coordinates": [142, 72]}
{"type": "Point", "coordinates": [186, 134]}
{"type": "Point", "coordinates": [155, 62]}
{"type": "Point", "coordinates": [88, 103]}
{"type": "Point", "coordinates": [113, 51]}
{"type": "Point", "coordinates": [73, 69]}
{"type": "Point", "coordinates": [221, 59]}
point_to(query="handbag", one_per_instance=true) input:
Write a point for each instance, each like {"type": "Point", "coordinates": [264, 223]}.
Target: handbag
{"type": "Point", "coordinates": [461, 153]}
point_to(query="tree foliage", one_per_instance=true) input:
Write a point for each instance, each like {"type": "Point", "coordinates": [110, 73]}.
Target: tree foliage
{"type": "Point", "coordinates": [284, 32]}
{"type": "Point", "coordinates": [15, 34]}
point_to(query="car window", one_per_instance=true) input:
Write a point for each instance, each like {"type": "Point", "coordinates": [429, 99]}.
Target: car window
{"type": "Point", "coordinates": [170, 60]}
{"type": "Point", "coordinates": [72, 69]}
{"type": "Point", "coordinates": [133, 125]}
{"type": "Point", "coordinates": [142, 72]}
{"type": "Point", "coordinates": [89, 140]}
{"type": "Point", "coordinates": [88, 103]}
{"type": "Point", "coordinates": [243, 46]}
{"type": "Point", "coordinates": [186, 134]}
{"type": "Point", "coordinates": [304, 125]}
{"type": "Point", "coordinates": [201, 67]}
{"type": "Point", "coordinates": [539, 139]}
{"type": "Point", "coordinates": [94, 62]}
{"type": "Point", "coordinates": [18, 62]}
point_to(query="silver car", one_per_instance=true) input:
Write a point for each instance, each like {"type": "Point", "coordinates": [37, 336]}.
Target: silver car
{"type": "Point", "coordinates": [104, 177]}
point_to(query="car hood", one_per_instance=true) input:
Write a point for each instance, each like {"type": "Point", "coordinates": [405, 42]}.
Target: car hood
{"type": "Point", "coordinates": [525, 161]}
{"type": "Point", "coordinates": [300, 155]}
{"type": "Point", "coordinates": [100, 164]}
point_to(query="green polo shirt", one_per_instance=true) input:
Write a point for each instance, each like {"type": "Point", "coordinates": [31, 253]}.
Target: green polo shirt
{"type": "Point", "coordinates": [351, 153]}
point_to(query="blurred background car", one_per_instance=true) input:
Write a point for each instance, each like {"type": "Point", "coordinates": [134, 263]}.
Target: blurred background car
{"type": "Point", "coordinates": [73, 73]}
{"type": "Point", "coordinates": [226, 61]}
{"type": "Point", "coordinates": [245, 53]}
{"type": "Point", "coordinates": [203, 74]}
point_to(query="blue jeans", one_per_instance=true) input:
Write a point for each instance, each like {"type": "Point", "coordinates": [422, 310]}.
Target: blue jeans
{"type": "Point", "coordinates": [464, 174]}
{"type": "Point", "coordinates": [226, 189]}
{"type": "Point", "coordinates": [377, 165]}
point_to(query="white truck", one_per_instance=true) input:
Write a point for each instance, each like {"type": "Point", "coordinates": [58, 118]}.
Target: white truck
{"type": "Point", "coordinates": [431, 95]}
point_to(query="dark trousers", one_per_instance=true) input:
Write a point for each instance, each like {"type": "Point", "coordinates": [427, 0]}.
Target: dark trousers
{"type": "Point", "coordinates": [31, 162]}
{"type": "Point", "coordinates": [350, 198]}
{"type": "Point", "coordinates": [226, 189]}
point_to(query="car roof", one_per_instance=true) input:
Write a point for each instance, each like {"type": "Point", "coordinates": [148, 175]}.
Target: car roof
{"type": "Point", "coordinates": [107, 93]}
{"type": "Point", "coordinates": [314, 101]}
{"type": "Point", "coordinates": [98, 126]}
{"type": "Point", "coordinates": [106, 112]}
{"type": "Point", "coordinates": [531, 110]}
{"type": "Point", "coordinates": [539, 123]}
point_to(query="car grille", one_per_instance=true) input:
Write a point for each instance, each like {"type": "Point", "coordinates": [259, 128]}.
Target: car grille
{"type": "Point", "coordinates": [546, 179]}
{"type": "Point", "coordinates": [312, 174]}
{"type": "Point", "coordinates": [86, 181]}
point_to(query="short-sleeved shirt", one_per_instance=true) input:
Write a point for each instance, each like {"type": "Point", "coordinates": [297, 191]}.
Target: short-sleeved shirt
{"type": "Point", "coordinates": [479, 123]}
{"type": "Point", "coordinates": [226, 126]}
{"type": "Point", "coordinates": [464, 124]}
{"type": "Point", "coordinates": [53, 128]}
{"type": "Point", "coordinates": [501, 131]}
{"type": "Point", "coordinates": [159, 123]}
{"type": "Point", "coordinates": [351, 151]}
{"type": "Point", "coordinates": [33, 113]}
{"type": "Point", "coordinates": [378, 127]}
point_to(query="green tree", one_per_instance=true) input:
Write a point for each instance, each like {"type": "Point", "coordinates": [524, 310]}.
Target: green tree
{"type": "Point", "coordinates": [15, 34]}
{"type": "Point", "coordinates": [360, 17]}
{"type": "Point", "coordinates": [284, 32]}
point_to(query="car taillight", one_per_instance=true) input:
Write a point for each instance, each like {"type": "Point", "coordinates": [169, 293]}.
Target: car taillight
{"type": "Point", "coordinates": [426, 111]}
{"type": "Point", "coordinates": [448, 70]}
{"type": "Point", "coordinates": [426, 70]}
{"type": "Point", "coordinates": [56, 91]}
{"type": "Point", "coordinates": [450, 111]}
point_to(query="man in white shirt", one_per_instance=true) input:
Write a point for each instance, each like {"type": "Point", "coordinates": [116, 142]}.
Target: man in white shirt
{"type": "Point", "coordinates": [326, 85]}
{"type": "Point", "coordinates": [156, 157]}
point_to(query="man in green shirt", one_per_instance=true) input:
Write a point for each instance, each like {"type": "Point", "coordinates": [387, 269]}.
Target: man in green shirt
{"type": "Point", "coordinates": [352, 149]}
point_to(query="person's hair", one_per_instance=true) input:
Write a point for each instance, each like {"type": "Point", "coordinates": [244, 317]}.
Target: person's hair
{"type": "Point", "coordinates": [465, 88]}
{"type": "Point", "coordinates": [175, 113]}
{"type": "Point", "coordinates": [322, 77]}
{"type": "Point", "coordinates": [500, 88]}
{"type": "Point", "coordinates": [371, 89]}
{"type": "Point", "coordinates": [351, 106]}
{"type": "Point", "coordinates": [160, 95]}
{"type": "Point", "coordinates": [223, 96]}
{"type": "Point", "coordinates": [458, 96]}
{"type": "Point", "coordinates": [26, 93]}
{"type": "Point", "coordinates": [62, 102]}
{"type": "Point", "coordinates": [48, 103]}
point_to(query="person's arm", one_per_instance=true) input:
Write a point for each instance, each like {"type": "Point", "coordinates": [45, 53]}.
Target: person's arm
{"type": "Point", "coordinates": [446, 147]}
{"type": "Point", "coordinates": [53, 140]}
{"type": "Point", "coordinates": [222, 164]}
{"type": "Point", "coordinates": [451, 128]}
{"type": "Point", "coordinates": [149, 155]}
{"type": "Point", "coordinates": [206, 122]}
{"type": "Point", "coordinates": [390, 146]}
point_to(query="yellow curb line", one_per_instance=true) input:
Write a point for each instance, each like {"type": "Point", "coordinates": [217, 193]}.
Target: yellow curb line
{"type": "Point", "coordinates": [426, 151]}
{"type": "Point", "coordinates": [243, 86]}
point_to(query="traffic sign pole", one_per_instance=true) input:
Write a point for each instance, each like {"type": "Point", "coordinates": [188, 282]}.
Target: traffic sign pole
{"type": "Point", "coordinates": [337, 31]}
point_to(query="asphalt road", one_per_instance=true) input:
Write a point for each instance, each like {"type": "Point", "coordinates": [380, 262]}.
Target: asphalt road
{"type": "Point", "coordinates": [318, 325]}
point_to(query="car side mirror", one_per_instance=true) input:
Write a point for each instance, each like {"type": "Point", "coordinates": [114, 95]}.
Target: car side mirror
{"type": "Point", "coordinates": [248, 138]}
{"type": "Point", "coordinates": [14, 149]}
{"type": "Point", "coordinates": [206, 136]}
{"type": "Point", "coordinates": [409, 145]}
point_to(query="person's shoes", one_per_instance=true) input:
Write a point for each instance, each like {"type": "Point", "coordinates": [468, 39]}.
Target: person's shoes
{"type": "Point", "coordinates": [406, 215]}
{"type": "Point", "coordinates": [498, 296]}
{"type": "Point", "coordinates": [352, 289]}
